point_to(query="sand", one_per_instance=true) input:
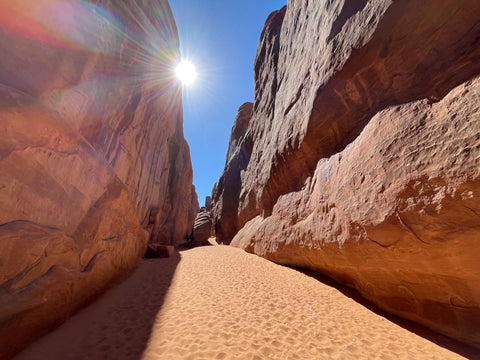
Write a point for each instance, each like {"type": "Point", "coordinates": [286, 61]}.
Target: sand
{"type": "Point", "coordinates": [219, 302]}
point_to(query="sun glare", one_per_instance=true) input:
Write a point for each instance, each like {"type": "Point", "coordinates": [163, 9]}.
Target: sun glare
{"type": "Point", "coordinates": [185, 72]}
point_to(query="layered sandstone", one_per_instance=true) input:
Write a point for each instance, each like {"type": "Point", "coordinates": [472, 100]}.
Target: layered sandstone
{"type": "Point", "coordinates": [389, 207]}
{"type": "Point", "coordinates": [202, 228]}
{"type": "Point", "coordinates": [93, 162]}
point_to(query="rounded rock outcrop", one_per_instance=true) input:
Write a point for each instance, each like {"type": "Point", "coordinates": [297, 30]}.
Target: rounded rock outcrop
{"type": "Point", "coordinates": [202, 228]}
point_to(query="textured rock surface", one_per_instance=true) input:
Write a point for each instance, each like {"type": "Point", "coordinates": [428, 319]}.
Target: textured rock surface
{"type": "Point", "coordinates": [377, 211]}
{"type": "Point", "coordinates": [395, 215]}
{"type": "Point", "coordinates": [91, 152]}
{"type": "Point", "coordinates": [117, 90]}
{"type": "Point", "coordinates": [226, 192]}
{"type": "Point", "coordinates": [208, 203]}
{"type": "Point", "coordinates": [202, 228]}
{"type": "Point", "coordinates": [322, 70]}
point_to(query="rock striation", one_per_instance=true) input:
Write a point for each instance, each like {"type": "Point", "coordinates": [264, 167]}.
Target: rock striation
{"type": "Point", "coordinates": [93, 162]}
{"type": "Point", "coordinates": [202, 228]}
{"type": "Point", "coordinates": [364, 154]}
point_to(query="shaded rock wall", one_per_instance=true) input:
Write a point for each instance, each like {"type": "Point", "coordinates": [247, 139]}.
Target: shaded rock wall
{"type": "Point", "coordinates": [226, 192]}
{"type": "Point", "coordinates": [93, 162]}
{"type": "Point", "coordinates": [369, 207]}
{"type": "Point", "coordinates": [202, 228]}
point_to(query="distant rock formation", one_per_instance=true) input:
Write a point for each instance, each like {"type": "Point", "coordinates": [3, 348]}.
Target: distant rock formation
{"type": "Point", "coordinates": [364, 154]}
{"type": "Point", "coordinates": [202, 228]}
{"type": "Point", "coordinates": [93, 162]}
{"type": "Point", "coordinates": [226, 192]}
{"type": "Point", "coordinates": [208, 203]}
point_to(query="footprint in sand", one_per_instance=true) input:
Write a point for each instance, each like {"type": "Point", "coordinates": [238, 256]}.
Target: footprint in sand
{"type": "Point", "coordinates": [259, 319]}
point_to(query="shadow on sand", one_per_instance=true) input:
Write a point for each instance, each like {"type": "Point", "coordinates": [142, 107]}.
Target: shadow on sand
{"type": "Point", "coordinates": [118, 324]}
{"type": "Point", "coordinates": [453, 345]}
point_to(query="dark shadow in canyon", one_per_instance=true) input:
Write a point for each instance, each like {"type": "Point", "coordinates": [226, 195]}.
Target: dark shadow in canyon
{"type": "Point", "coordinates": [446, 342]}
{"type": "Point", "coordinates": [349, 9]}
{"type": "Point", "coordinates": [118, 324]}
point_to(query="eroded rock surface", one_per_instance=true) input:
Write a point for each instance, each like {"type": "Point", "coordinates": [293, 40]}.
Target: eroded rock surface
{"type": "Point", "coordinates": [322, 71]}
{"type": "Point", "coordinates": [394, 215]}
{"type": "Point", "coordinates": [226, 192]}
{"type": "Point", "coordinates": [361, 166]}
{"type": "Point", "coordinates": [93, 163]}
{"type": "Point", "coordinates": [202, 228]}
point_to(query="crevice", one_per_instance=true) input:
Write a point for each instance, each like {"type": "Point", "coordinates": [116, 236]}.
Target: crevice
{"type": "Point", "coordinates": [295, 100]}
{"type": "Point", "coordinates": [25, 224]}
{"type": "Point", "coordinates": [9, 285]}
{"type": "Point", "coordinates": [473, 211]}
{"type": "Point", "coordinates": [92, 262]}
{"type": "Point", "coordinates": [385, 246]}
{"type": "Point", "coordinates": [112, 239]}
{"type": "Point", "coordinates": [349, 9]}
{"type": "Point", "coordinates": [404, 224]}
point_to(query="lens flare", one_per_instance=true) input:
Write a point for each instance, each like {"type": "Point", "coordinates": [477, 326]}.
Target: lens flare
{"type": "Point", "coordinates": [138, 42]}
{"type": "Point", "coordinates": [185, 72]}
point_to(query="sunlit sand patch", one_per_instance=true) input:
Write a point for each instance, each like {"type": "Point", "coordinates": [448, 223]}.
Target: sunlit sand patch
{"type": "Point", "coordinates": [226, 304]}
{"type": "Point", "coordinates": [218, 302]}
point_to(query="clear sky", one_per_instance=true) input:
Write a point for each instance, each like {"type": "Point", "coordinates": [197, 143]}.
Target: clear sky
{"type": "Point", "coordinates": [220, 37]}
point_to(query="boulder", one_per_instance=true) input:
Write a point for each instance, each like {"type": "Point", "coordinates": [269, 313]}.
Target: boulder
{"type": "Point", "coordinates": [201, 228]}
{"type": "Point", "coordinates": [93, 162]}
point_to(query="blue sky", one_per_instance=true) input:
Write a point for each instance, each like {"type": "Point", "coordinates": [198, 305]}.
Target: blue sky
{"type": "Point", "coordinates": [221, 39]}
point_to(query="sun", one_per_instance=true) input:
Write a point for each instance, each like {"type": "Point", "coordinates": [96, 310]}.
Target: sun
{"type": "Point", "coordinates": [185, 72]}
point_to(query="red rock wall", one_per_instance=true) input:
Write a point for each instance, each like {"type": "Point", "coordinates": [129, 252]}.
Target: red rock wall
{"type": "Point", "coordinates": [345, 179]}
{"type": "Point", "coordinates": [93, 162]}
{"type": "Point", "coordinates": [226, 192]}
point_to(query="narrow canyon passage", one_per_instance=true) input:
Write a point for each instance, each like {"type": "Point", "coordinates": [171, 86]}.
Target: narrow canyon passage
{"type": "Point", "coordinates": [218, 302]}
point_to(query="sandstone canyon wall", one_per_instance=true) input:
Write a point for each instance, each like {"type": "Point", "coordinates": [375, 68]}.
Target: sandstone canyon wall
{"type": "Point", "coordinates": [93, 162]}
{"type": "Point", "coordinates": [201, 228]}
{"type": "Point", "coordinates": [361, 157]}
{"type": "Point", "coordinates": [226, 192]}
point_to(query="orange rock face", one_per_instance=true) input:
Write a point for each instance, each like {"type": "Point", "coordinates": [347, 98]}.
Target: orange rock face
{"type": "Point", "coordinates": [394, 215]}
{"type": "Point", "coordinates": [93, 162]}
{"type": "Point", "coordinates": [365, 153]}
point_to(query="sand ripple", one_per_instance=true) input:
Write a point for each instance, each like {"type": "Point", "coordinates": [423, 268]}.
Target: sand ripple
{"type": "Point", "coordinates": [226, 304]}
{"type": "Point", "coordinates": [219, 302]}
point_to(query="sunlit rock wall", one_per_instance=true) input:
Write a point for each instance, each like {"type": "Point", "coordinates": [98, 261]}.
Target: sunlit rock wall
{"type": "Point", "coordinates": [93, 162]}
{"type": "Point", "coordinates": [365, 153]}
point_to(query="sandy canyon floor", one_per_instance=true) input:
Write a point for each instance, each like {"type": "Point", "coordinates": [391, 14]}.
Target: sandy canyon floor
{"type": "Point", "coordinates": [219, 302]}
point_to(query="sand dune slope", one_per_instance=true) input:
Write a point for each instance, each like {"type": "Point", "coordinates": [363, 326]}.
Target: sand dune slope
{"type": "Point", "coordinates": [219, 302]}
